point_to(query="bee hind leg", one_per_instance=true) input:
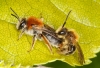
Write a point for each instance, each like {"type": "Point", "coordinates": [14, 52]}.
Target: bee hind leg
{"type": "Point", "coordinates": [48, 44]}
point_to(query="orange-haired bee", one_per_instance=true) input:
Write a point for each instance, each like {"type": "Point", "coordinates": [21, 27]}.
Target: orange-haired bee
{"type": "Point", "coordinates": [32, 26]}
{"type": "Point", "coordinates": [70, 41]}
{"type": "Point", "coordinates": [65, 40]}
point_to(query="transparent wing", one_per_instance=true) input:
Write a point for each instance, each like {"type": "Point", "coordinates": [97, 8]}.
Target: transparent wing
{"type": "Point", "coordinates": [80, 53]}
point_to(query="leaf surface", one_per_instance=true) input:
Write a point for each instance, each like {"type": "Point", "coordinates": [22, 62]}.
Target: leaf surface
{"type": "Point", "coordinates": [84, 18]}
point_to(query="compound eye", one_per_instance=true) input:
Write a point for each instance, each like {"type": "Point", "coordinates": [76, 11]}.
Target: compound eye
{"type": "Point", "coordinates": [22, 24]}
{"type": "Point", "coordinates": [63, 31]}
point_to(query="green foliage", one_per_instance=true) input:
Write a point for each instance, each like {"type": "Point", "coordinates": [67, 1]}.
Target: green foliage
{"type": "Point", "coordinates": [5, 65]}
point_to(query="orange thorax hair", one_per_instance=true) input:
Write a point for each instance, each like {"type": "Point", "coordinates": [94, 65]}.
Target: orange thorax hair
{"type": "Point", "coordinates": [34, 21]}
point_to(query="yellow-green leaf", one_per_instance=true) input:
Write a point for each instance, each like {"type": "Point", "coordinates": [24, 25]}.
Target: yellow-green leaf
{"type": "Point", "coordinates": [84, 18]}
{"type": "Point", "coordinates": [7, 65]}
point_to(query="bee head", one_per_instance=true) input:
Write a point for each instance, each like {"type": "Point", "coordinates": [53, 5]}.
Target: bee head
{"type": "Point", "coordinates": [21, 24]}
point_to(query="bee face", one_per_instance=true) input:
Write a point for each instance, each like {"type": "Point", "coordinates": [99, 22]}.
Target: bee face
{"type": "Point", "coordinates": [22, 24]}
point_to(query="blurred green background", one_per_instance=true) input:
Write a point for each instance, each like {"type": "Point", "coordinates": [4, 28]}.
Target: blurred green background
{"type": "Point", "coordinates": [58, 64]}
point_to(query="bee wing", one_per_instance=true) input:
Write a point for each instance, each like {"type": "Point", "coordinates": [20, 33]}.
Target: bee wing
{"type": "Point", "coordinates": [51, 35]}
{"type": "Point", "coordinates": [50, 31]}
{"type": "Point", "coordinates": [80, 53]}
{"type": "Point", "coordinates": [49, 28]}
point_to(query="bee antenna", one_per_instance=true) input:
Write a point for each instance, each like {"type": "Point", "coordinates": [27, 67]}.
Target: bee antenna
{"type": "Point", "coordinates": [16, 16]}
{"type": "Point", "coordinates": [66, 18]}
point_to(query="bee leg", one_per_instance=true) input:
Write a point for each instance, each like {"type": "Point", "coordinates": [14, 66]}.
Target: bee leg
{"type": "Point", "coordinates": [60, 50]}
{"type": "Point", "coordinates": [22, 32]}
{"type": "Point", "coordinates": [33, 41]}
{"type": "Point", "coordinates": [48, 44]}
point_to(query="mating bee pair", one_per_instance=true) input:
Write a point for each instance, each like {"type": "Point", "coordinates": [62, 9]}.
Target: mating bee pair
{"type": "Point", "coordinates": [65, 40]}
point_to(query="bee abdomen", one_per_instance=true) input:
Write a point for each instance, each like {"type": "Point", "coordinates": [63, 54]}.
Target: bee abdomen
{"type": "Point", "coordinates": [71, 49]}
{"type": "Point", "coordinates": [68, 49]}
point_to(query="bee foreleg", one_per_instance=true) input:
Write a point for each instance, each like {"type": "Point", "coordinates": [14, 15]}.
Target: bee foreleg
{"type": "Point", "coordinates": [47, 42]}
{"type": "Point", "coordinates": [22, 32]}
{"type": "Point", "coordinates": [33, 41]}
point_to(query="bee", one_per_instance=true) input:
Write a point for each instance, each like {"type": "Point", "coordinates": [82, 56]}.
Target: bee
{"type": "Point", "coordinates": [32, 26]}
{"type": "Point", "coordinates": [70, 41]}
{"type": "Point", "coordinates": [65, 40]}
